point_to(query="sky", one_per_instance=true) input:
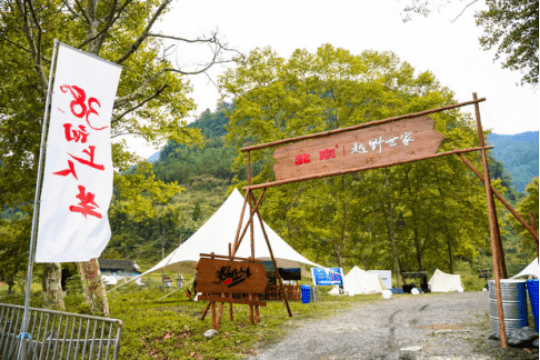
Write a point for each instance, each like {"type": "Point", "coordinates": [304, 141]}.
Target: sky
{"type": "Point", "coordinates": [450, 50]}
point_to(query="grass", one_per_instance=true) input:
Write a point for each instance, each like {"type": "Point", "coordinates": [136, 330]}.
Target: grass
{"type": "Point", "coordinates": [172, 329]}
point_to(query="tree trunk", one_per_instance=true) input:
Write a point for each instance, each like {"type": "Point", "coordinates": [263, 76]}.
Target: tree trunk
{"type": "Point", "coordinates": [53, 298]}
{"type": "Point", "coordinates": [93, 287]}
{"type": "Point", "coordinates": [391, 233]}
{"type": "Point", "coordinates": [450, 257]}
{"type": "Point", "coordinates": [162, 255]}
{"type": "Point", "coordinates": [418, 252]}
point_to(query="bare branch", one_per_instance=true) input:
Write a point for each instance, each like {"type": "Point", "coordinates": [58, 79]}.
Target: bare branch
{"type": "Point", "coordinates": [144, 34]}
{"type": "Point", "coordinates": [213, 39]}
{"type": "Point", "coordinates": [107, 26]}
{"type": "Point", "coordinates": [462, 11]}
{"type": "Point", "coordinates": [70, 8]}
{"type": "Point", "coordinates": [22, 48]}
{"type": "Point", "coordinates": [83, 12]}
{"type": "Point", "coordinates": [27, 30]}
{"type": "Point", "coordinates": [137, 93]}
{"type": "Point", "coordinates": [157, 93]}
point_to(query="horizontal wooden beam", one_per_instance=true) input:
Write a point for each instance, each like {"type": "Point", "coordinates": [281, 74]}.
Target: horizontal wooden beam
{"type": "Point", "coordinates": [230, 300]}
{"type": "Point", "coordinates": [360, 126]}
{"type": "Point", "coordinates": [227, 258]}
{"type": "Point", "coordinates": [362, 168]}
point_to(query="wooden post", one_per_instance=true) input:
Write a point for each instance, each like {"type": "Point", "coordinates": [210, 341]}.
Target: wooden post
{"type": "Point", "coordinates": [230, 294]}
{"type": "Point", "coordinates": [492, 227]}
{"type": "Point", "coordinates": [532, 231]}
{"type": "Point", "coordinates": [533, 224]}
{"type": "Point", "coordinates": [236, 239]}
{"type": "Point", "coordinates": [248, 224]}
{"type": "Point", "coordinates": [213, 305]}
{"type": "Point", "coordinates": [273, 261]}
{"type": "Point", "coordinates": [206, 310]}
{"type": "Point", "coordinates": [252, 244]}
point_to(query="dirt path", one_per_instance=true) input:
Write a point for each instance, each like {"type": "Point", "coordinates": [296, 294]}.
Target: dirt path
{"type": "Point", "coordinates": [445, 326]}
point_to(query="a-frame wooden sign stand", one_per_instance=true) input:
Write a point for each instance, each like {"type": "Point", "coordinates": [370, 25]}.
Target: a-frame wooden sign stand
{"type": "Point", "coordinates": [258, 283]}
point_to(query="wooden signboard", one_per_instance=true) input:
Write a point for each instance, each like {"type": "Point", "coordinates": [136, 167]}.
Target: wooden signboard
{"type": "Point", "coordinates": [405, 140]}
{"type": "Point", "coordinates": [222, 276]}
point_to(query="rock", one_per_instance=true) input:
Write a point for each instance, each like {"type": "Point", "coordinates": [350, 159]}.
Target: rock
{"type": "Point", "coordinates": [535, 343]}
{"type": "Point", "coordinates": [409, 353]}
{"type": "Point", "coordinates": [517, 337]}
{"type": "Point", "coordinates": [211, 333]}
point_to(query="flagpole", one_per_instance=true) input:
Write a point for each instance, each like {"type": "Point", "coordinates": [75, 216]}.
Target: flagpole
{"type": "Point", "coordinates": [26, 317]}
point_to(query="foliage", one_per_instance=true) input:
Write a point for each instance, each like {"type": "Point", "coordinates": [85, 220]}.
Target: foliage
{"type": "Point", "coordinates": [152, 95]}
{"type": "Point", "coordinates": [527, 205]}
{"type": "Point", "coordinates": [519, 154]}
{"type": "Point", "coordinates": [512, 27]}
{"type": "Point", "coordinates": [13, 256]}
{"type": "Point", "coordinates": [421, 216]}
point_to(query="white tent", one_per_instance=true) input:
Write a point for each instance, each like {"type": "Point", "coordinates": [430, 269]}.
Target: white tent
{"type": "Point", "coordinates": [358, 281]}
{"type": "Point", "coordinates": [220, 230]}
{"type": "Point", "coordinates": [530, 270]}
{"type": "Point", "coordinates": [443, 282]}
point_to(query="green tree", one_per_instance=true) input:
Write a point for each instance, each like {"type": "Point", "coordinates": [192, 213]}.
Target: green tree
{"type": "Point", "coordinates": [388, 218]}
{"type": "Point", "coordinates": [510, 26]}
{"type": "Point", "coordinates": [527, 205]}
{"type": "Point", "coordinates": [152, 95]}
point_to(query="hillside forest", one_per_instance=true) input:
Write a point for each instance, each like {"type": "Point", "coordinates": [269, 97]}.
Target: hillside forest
{"type": "Point", "coordinates": [429, 214]}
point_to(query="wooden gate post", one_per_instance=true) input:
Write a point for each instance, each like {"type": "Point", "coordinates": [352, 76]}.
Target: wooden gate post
{"type": "Point", "coordinates": [493, 228]}
{"type": "Point", "coordinates": [533, 225]}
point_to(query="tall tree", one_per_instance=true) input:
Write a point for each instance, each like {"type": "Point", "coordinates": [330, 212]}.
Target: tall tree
{"type": "Point", "coordinates": [529, 204]}
{"type": "Point", "coordinates": [343, 219]}
{"type": "Point", "coordinates": [510, 26]}
{"type": "Point", "coordinates": [152, 95]}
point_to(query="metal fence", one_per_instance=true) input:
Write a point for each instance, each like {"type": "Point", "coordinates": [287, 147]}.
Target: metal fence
{"type": "Point", "coordinates": [57, 335]}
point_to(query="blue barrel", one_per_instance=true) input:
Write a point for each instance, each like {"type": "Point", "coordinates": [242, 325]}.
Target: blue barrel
{"type": "Point", "coordinates": [514, 304]}
{"type": "Point", "coordinates": [306, 293]}
{"type": "Point", "coordinates": [532, 288]}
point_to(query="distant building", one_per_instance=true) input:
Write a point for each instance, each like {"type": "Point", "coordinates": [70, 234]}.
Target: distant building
{"type": "Point", "coordinates": [114, 270]}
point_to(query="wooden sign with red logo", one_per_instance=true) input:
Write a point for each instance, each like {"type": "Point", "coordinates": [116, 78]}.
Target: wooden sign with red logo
{"type": "Point", "coordinates": [405, 140]}
{"type": "Point", "coordinates": [221, 276]}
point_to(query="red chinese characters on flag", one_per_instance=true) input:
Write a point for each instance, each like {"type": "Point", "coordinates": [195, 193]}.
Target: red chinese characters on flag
{"type": "Point", "coordinates": [76, 135]}
{"type": "Point", "coordinates": [78, 177]}
{"type": "Point", "coordinates": [86, 204]}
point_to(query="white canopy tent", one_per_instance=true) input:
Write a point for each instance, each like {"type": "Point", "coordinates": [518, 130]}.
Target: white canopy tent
{"type": "Point", "coordinates": [358, 282]}
{"type": "Point", "coordinates": [220, 230]}
{"type": "Point", "coordinates": [530, 270]}
{"type": "Point", "coordinates": [443, 282]}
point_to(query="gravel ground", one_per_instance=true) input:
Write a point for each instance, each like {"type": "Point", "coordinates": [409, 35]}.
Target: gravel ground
{"type": "Point", "coordinates": [445, 326]}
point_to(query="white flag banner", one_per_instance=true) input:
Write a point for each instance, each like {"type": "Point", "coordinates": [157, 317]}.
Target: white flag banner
{"type": "Point", "coordinates": [78, 177]}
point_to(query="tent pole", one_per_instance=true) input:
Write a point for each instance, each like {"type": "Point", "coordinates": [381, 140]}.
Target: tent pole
{"type": "Point", "coordinates": [273, 260]}
{"type": "Point", "coordinates": [492, 227]}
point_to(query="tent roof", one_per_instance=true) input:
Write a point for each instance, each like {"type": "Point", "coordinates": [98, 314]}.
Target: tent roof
{"type": "Point", "coordinates": [220, 230]}
{"type": "Point", "coordinates": [531, 269]}
{"type": "Point", "coordinates": [358, 281]}
{"type": "Point", "coordinates": [443, 282]}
